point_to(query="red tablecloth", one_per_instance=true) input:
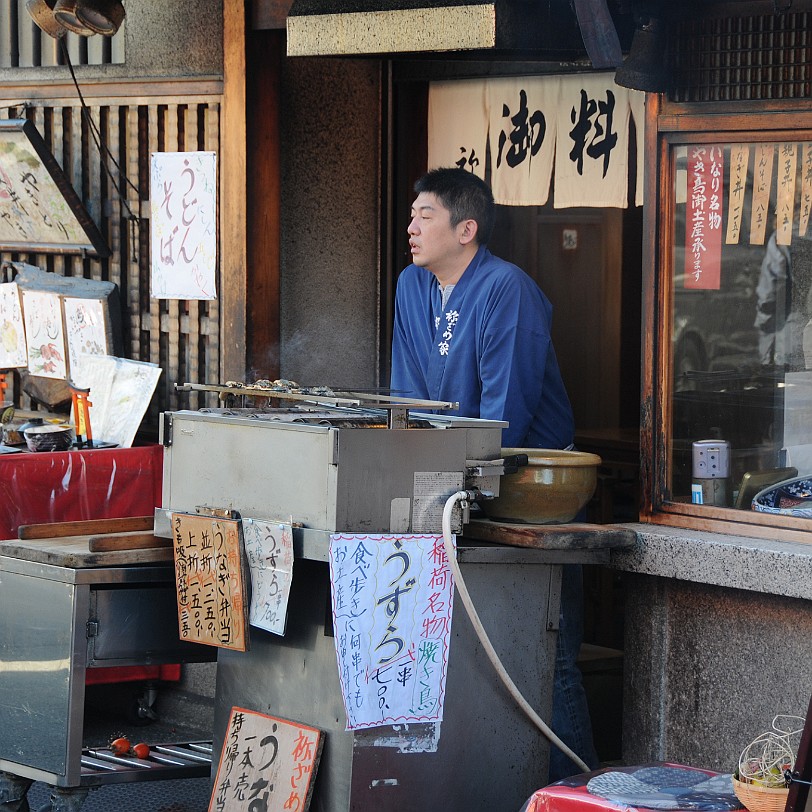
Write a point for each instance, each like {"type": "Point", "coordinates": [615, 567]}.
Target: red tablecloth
{"type": "Point", "coordinates": [66, 486]}
{"type": "Point", "coordinates": [647, 787]}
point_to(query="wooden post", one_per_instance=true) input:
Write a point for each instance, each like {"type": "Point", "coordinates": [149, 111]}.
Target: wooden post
{"type": "Point", "coordinates": [233, 197]}
{"type": "Point", "coordinates": [265, 53]}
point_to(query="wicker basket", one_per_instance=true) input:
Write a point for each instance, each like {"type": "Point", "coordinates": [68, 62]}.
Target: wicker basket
{"type": "Point", "coordinates": [761, 799]}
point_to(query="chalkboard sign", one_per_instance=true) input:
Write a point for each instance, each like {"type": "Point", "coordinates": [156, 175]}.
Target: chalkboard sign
{"type": "Point", "coordinates": [800, 796]}
{"type": "Point", "coordinates": [39, 209]}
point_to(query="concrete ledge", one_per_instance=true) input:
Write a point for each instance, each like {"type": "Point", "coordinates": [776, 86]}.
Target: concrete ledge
{"type": "Point", "coordinates": [740, 562]}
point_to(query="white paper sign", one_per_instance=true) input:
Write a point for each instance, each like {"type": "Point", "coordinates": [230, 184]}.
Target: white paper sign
{"type": "Point", "coordinates": [13, 352]}
{"type": "Point", "coordinates": [86, 334]}
{"type": "Point", "coordinates": [269, 549]}
{"type": "Point", "coordinates": [392, 601]}
{"type": "Point", "coordinates": [44, 333]}
{"type": "Point", "coordinates": [120, 392]}
{"type": "Point", "coordinates": [183, 211]}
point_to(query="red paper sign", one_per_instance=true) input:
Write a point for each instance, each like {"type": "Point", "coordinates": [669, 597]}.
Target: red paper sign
{"type": "Point", "coordinates": [703, 226]}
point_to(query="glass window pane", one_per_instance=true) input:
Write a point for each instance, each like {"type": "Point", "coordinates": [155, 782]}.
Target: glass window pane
{"type": "Point", "coordinates": [742, 334]}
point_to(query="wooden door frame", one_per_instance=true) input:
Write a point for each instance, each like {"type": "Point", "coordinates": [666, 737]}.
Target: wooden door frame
{"type": "Point", "coordinates": [250, 181]}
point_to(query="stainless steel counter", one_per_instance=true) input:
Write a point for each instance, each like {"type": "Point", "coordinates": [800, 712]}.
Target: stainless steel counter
{"type": "Point", "coordinates": [58, 622]}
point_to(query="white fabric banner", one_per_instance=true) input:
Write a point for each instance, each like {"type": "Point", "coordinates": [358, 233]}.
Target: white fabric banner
{"type": "Point", "coordinates": [592, 166]}
{"type": "Point", "coordinates": [458, 125]}
{"type": "Point", "coordinates": [522, 138]}
{"type": "Point", "coordinates": [637, 102]}
{"type": "Point", "coordinates": [576, 125]}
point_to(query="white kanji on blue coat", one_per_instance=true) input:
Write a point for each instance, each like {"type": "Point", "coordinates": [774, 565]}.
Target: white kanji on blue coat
{"type": "Point", "coordinates": [451, 319]}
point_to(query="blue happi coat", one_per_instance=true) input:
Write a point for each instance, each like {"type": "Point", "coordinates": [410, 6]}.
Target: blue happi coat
{"type": "Point", "coordinates": [489, 348]}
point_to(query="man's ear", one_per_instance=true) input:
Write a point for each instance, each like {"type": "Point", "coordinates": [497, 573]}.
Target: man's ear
{"type": "Point", "coordinates": [468, 231]}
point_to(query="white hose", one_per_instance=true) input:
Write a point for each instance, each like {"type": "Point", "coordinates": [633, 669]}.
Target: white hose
{"type": "Point", "coordinates": [462, 589]}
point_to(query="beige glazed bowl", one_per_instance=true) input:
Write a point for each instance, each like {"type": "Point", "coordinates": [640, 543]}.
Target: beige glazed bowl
{"type": "Point", "coordinates": [550, 489]}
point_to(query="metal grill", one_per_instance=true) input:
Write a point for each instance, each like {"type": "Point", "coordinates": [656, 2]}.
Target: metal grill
{"type": "Point", "coordinates": [165, 761]}
{"type": "Point", "coordinates": [743, 58]}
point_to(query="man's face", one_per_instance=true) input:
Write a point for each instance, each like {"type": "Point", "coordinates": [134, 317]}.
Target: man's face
{"type": "Point", "coordinates": [434, 244]}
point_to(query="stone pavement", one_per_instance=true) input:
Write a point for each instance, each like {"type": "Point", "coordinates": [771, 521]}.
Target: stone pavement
{"type": "Point", "coordinates": [185, 795]}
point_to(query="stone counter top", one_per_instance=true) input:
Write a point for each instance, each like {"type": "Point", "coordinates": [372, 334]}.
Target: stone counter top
{"type": "Point", "coordinates": [739, 562]}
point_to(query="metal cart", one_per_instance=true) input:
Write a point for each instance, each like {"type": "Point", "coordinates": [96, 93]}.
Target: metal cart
{"type": "Point", "coordinates": [64, 610]}
{"type": "Point", "coordinates": [355, 472]}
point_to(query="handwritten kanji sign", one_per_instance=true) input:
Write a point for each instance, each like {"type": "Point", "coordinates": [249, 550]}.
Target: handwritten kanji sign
{"type": "Point", "coordinates": [392, 601]}
{"type": "Point", "coordinates": [703, 226]}
{"type": "Point", "coordinates": [183, 216]}
{"type": "Point", "coordinates": [267, 764]}
{"type": "Point", "coordinates": [209, 581]}
{"type": "Point", "coordinates": [575, 127]}
{"type": "Point", "coordinates": [269, 550]}
{"type": "Point", "coordinates": [39, 207]}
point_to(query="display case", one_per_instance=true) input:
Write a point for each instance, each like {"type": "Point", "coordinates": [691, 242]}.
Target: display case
{"type": "Point", "coordinates": [728, 297]}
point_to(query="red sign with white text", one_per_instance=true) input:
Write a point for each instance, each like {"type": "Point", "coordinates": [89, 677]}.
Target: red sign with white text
{"type": "Point", "coordinates": [703, 217]}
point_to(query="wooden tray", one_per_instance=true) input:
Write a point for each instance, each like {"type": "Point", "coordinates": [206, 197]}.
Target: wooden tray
{"type": "Point", "coordinates": [94, 543]}
{"type": "Point", "coordinates": [571, 536]}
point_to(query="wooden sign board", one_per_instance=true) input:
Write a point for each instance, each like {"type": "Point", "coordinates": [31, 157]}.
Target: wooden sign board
{"type": "Point", "coordinates": [39, 209]}
{"type": "Point", "coordinates": [267, 764]}
{"type": "Point", "coordinates": [212, 608]}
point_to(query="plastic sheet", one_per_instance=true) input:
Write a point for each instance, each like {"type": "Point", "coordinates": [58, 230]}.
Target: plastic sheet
{"type": "Point", "coordinates": [650, 786]}
{"type": "Point", "coordinates": [102, 483]}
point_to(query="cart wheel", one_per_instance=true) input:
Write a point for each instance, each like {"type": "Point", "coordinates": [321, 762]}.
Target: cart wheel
{"type": "Point", "coordinates": [141, 710]}
{"type": "Point", "coordinates": [14, 793]}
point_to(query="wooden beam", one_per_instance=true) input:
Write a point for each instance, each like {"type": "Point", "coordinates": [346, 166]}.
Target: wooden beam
{"type": "Point", "coordinates": [269, 13]}
{"type": "Point", "coordinates": [124, 91]}
{"type": "Point", "coordinates": [233, 196]}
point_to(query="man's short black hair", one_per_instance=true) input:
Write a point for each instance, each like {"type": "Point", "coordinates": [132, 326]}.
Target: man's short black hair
{"type": "Point", "coordinates": [466, 196]}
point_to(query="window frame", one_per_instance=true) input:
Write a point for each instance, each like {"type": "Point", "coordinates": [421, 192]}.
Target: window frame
{"type": "Point", "coordinates": [669, 125]}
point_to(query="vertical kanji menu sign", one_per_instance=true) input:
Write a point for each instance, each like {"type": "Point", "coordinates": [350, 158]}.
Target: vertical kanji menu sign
{"type": "Point", "coordinates": [209, 581]}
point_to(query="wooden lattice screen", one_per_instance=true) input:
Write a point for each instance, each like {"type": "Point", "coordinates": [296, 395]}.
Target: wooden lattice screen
{"type": "Point", "coordinates": [743, 58]}
{"type": "Point", "coordinates": [182, 337]}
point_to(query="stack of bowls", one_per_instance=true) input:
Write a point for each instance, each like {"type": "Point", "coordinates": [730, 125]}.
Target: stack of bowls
{"type": "Point", "coordinates": [49, 437]}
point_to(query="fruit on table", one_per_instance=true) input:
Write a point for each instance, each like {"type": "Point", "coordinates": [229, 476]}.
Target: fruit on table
{"type": "Point", "coordinates": [141, 750]}
{"type": "Point", "coordinates": [120, 746]}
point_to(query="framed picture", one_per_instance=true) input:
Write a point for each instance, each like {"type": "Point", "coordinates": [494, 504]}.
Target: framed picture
{"type": "Point", "coordinates": [39, 209]}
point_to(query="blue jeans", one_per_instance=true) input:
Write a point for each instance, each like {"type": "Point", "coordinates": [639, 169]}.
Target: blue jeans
{"type": "Point", "coordinates": [570, 719]}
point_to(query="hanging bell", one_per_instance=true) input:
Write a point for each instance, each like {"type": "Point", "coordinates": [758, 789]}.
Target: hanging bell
{"type": "Point", "coordinates": [65, 14]}
{"type": "Point", "coordinates": [102, 16]}
{"type": "Point", "coordinates": [644, 68]}
{"type": "Point", "coordinates": [42, 13]}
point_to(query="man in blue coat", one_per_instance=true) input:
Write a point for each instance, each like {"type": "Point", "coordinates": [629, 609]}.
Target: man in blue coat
{"type": "Point", "coordinates": [472, 328]}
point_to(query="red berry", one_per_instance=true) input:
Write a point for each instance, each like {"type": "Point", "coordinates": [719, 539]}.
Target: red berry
{"type": "Point", "coordinates": [120, 746]}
